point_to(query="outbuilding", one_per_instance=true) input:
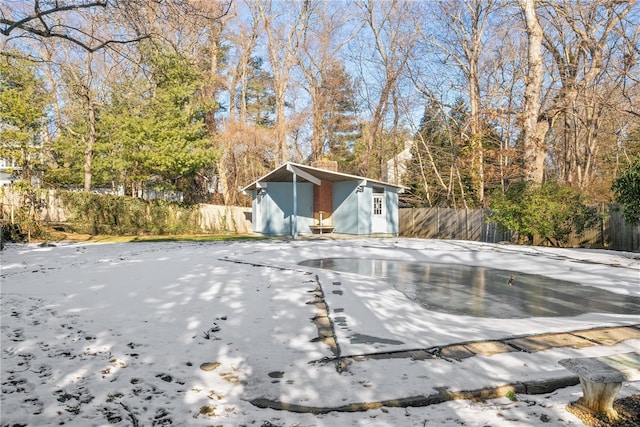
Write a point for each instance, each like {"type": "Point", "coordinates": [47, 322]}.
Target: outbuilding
{"type": "Point", "coordinates": [298, 199]}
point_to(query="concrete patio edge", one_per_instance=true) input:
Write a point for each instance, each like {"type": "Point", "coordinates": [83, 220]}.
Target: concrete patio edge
{"type": "Point", "coordinates": [442, 395]}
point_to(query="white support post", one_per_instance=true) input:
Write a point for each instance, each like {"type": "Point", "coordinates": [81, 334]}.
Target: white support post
{"type": "Point", "coordinates": [295, 207]}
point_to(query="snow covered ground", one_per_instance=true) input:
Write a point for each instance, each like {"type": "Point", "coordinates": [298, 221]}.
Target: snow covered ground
{"type": "Point", "coordinates": [117, 334]}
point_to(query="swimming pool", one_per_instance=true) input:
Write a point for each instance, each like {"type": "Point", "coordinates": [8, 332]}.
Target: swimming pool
{"type": "Point", "coordinates": [484, 292]}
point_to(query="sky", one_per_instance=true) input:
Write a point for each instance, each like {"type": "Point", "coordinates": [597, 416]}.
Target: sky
{"type": "Point", "coordinates": [191, 333]}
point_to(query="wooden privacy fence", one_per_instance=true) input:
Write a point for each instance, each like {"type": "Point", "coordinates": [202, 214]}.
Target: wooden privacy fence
{"type": "Point", "coordinates": [616, 234]}
{"type": "Point", "coordinates": [226, 218]}
{"type": "Point", "coordinates": [470, 224]}
{"type": "Point", "coordinates": [209, 218]}
{"type": "Point", "coordinates": [448, 223]}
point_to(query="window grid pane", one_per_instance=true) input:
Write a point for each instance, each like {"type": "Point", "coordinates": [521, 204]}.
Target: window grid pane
{"type": "Point", "coordinates": [377, 205]}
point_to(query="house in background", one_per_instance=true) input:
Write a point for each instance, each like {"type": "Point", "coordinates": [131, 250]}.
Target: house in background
{"type": "Point", "coordinates": [298, 199]}
{"type": "Point", "coordinates": [8, 169]}
{"type": "Point", "coordinates": [395, 168]}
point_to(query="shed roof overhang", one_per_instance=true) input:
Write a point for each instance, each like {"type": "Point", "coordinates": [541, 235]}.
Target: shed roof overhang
{"type": "Point", "coordinates": [285, 172]}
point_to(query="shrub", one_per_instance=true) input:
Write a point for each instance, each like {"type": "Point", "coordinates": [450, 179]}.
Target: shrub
{"type": "Point", "coordinates": [120, 215]}
{"type": "Point", "coordinates": [23, 224]}
{"type": "Point", "coordinates": [550, 211]}
{"type": "Point", "coordinates": [627, 192]}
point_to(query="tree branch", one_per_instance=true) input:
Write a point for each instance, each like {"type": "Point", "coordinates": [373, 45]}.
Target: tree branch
{"type": "Point", "coordinates": [29, 25]}
{"type": "Point", "coordinates": [40, 14]}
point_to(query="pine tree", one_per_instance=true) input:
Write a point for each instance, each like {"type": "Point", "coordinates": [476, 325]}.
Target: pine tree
{"type": "Point", "coordinates": [435, 173]}
{"type": "Point", "coordinates": [151, 134]}
{"type": "Point", "coordinates": [22, 116]}
{"type": "Point", "coordinates": [339, 120]}
{"type": "Point", "coordinates": [260, 96]}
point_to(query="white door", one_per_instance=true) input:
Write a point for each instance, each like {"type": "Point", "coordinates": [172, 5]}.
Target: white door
{"type": "Point", "coordinates": [379, 216]}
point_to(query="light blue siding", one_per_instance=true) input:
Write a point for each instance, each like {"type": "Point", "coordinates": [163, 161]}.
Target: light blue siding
{"type": "Point", "coordinates": [391, 200]}
{"type": "Point", "coordinates": [277, 208]}
{"type": "Point", "coordinates": [346, 202]}
{"type": "Point", "coordinates": [257, 220]}
{"type": "Point", "coordinates": [353, 210]}
{"type": "Point", "coordinates": [364, 211]}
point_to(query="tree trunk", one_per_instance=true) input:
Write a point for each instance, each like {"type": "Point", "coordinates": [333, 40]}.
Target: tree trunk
{"type": "Point", "coordinates": [476, 127]}
{"type": "Point", "coordinates": [225, 172]}
{"type": "Point", "coordinates": [534, 131]}
{"type": "Point", "coordinates": [88, 152]}
{"type": "Point", "coordinates": [281, 127]}
{"type": "Point", "coordinates": [317, 139]}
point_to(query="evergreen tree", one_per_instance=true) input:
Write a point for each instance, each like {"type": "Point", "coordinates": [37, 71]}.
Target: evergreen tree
{"type": "Point", "coordinates": [462, 151]}
{"type": "Point", "coordinates": [631, 146]}
{"type": "Point", "coordinates": [429, 154]}
{"type": "Point", "coordinates": [436, 173]}
{"type": "Point", "coordinates": [499, 168]}
{"type": "Point", "coordinates": [627, 192]}
{"type": "Point", "coordinates": [339, 120]}
{"type": "Point", "coordinates": [151, 134]}
{"type": "Point", "coordinates": [22, 116]}
{"type": "Point", "coordinates": [166, 140]}
{"type": "Point", "coordinates": [260, 96]}
{"type": "Point", "coordinates": [67, 151]}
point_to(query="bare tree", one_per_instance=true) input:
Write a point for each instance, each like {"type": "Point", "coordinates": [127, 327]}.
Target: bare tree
{"type": "Point", "coordinates": [284, 25]}
{"type": "Point", "coordinates": [587, 45]}
{"type": "Point", "coordinates": [585, 40]}
{"type": "Point", "coordinates": [243, 40]}
{"type": "Point", "coordinates": [502, 101]}
{"type": "Point", "coordinates": [392, 28]}
{"type": "Point", "coordinates": [465, 27]}
{"type": "Point", "coordinates": [80, 81]}
{"type": "Point", "coordinates": [318, 59]}
{"type": "Point", "coordinates": [239, 142]}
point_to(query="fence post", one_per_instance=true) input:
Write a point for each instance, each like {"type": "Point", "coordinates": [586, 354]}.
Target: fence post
{"type": "Point", "coordinates": [602, 224]}
{"type": "Point", "coordinates": [413, 221]}
{"type": "Point", "coordinates": [466, 224]}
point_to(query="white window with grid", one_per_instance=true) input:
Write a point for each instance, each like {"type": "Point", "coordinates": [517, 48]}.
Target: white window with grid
{"type": "Point", "coordinates": [377, 204]}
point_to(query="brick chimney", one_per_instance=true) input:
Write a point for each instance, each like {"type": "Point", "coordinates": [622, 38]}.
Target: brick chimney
{"type": "Point", "coordinates": [325, 163]}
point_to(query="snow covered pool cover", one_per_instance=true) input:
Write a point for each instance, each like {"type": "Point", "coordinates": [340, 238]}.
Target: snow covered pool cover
{"type": "Point", "coordinates": [485, 292]}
